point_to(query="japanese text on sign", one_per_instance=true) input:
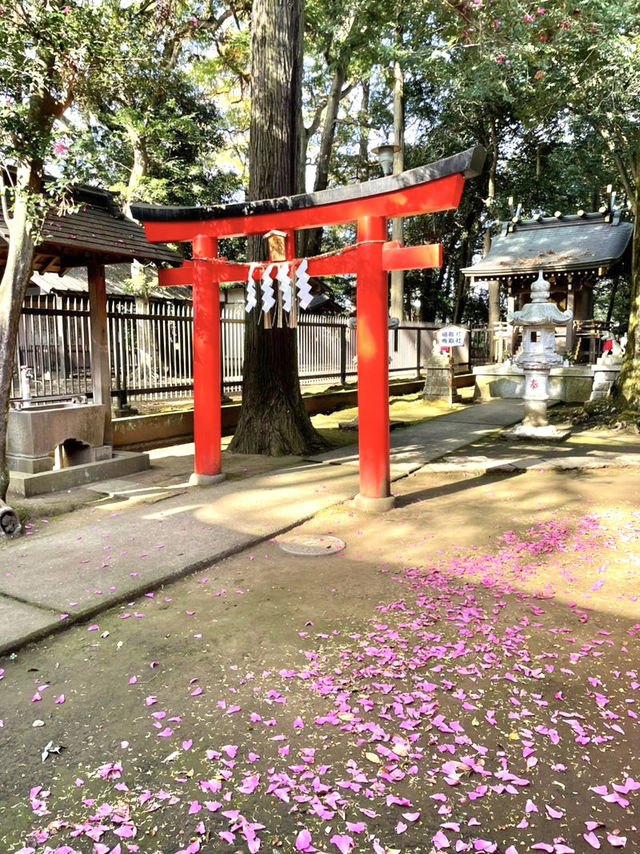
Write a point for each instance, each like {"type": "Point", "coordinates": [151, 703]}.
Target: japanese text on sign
{"type": "Point", "coordinates": [451, 336]}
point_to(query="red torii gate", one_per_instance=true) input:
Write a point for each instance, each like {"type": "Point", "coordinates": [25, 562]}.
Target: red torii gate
{"type": "Point", "coordinates": [427, 189]}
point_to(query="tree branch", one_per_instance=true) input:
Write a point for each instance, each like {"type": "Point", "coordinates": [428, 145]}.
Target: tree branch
{"type": "Point", "coordinates": [3, 197]}
{"type": "Point", "coordinates": [617, 159]}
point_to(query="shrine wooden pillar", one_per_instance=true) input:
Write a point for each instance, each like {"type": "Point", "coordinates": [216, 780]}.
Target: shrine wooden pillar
{"type": "Point", "coordinates": [98, 343]}
{"type": "Point", "coordinates": [372, 347]}
{"type": "Point", "coordinates": [207, 428]}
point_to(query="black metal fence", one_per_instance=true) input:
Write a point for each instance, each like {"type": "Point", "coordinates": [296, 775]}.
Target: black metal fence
{"type": "Point", "coordinates": [150, 347]}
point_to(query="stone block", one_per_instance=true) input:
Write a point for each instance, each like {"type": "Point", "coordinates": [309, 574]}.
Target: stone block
{"type": "Point", "coordinates": [36, 431]}
{"type": "Point", "coordinates": [436, 382]}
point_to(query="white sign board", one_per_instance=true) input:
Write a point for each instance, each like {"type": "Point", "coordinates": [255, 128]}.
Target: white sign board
{"type": "Point", "coordinates": [451, 336]}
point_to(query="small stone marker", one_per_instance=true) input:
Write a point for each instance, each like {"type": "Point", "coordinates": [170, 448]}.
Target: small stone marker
{"type": "Point", "coordinates": [311, 546]}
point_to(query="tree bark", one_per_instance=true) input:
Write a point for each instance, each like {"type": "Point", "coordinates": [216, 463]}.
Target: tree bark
{"type": "Point", "coordinates": [313, 236]}
{"type": "Point", "coordinates": [273, 420]}
{"type": "Point", "coordinates": [397, 225]}
{"type": "Point", "coordinates": [628, 387]}
{"type": "Point", "coordinates": [363, 130]}
{"type": "Point", "coordinates": [13, 287]}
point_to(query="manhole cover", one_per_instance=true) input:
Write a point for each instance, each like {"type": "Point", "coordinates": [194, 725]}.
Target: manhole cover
{"type": "Point", "coordinates": [312, 546]}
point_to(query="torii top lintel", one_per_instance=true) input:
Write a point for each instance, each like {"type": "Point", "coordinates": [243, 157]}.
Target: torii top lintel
{"type": "Point", "coordinates": [426, 189]}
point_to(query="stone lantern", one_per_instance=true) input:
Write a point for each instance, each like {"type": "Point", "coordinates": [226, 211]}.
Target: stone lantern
{"type": "Point", "coordinates": [538, 320]}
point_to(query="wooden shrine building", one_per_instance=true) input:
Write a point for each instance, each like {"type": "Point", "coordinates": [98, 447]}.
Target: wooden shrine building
{"type": "Point", "coordinates": [94, 235]}
{"type": "Point", "coordinates": [572, 252]}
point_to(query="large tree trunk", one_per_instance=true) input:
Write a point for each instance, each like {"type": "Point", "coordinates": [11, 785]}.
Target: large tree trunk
{"type": "Point", "coordinates": [273, 419]}
{"type": "Point", "coordinates": [629, 381]}
{"type": "Point", "coordinates": [13, 287]}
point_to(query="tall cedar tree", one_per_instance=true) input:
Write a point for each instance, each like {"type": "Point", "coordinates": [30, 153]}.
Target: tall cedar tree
{"type": "Point", "coordinates": [273, 420]}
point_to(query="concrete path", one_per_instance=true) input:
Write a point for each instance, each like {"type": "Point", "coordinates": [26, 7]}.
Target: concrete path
{"type": "Point", "coordinates": [415, 446]}
{"type": "Point", "coordinates": [79, 564]}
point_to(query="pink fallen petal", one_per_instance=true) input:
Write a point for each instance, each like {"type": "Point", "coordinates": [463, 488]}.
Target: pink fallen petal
{"type": "Point", "coordinates": [166, 732]}
{"type": "Point", "coordinates": [484, 845]}
{"type": "Point", "coordinates": [196, 692]}
{"type": "Point", "coordinates": [249, 784]}
{"type": "Point", "coordinates": [543, 846]}
{"type": "Point", "coordinates": [125, 831]}
{"type": "Point", "coordinates": [616, 841]}
{"type": "Point", "coordinates": [553, 813]}
{"type": "Point", "coordinates": [599, 790]}
{"type": "Point", "coordinates": [303, 841]}
{"type": "Point", "coordinates": [511, 850]}
{"type": "Point", "coordinates": [343, 843]}
{"type": "Point", "coordinates": [59, 700]}
{"type": "Point", "coordinates": [440, 840]}
{"type": "Point", "coordinates": [591, 839]}
{"type": "Point", "coordinates": [401, 827]}
{"type": "Point", "coordinates": [186, 745]}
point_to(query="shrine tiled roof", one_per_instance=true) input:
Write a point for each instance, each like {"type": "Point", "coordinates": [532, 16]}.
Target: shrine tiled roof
{"type": "Point", "coordinates": [583, 242]}
{"type": "Point", "coordinates": [96, 230]}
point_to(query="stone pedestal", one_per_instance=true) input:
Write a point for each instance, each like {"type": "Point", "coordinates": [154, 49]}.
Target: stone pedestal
{"type": "Point", "coordinates": [437, 370]}
{"type": "Point", "coordinates": [436, 383]}
{"type": "Point", "coordinates": [605, 373]}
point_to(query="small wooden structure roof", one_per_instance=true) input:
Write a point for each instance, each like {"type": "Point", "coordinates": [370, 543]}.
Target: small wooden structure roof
{"type": "Point", "coordinates": [96, 231]}
{"type": "Point", "coordinates": [587, 244]}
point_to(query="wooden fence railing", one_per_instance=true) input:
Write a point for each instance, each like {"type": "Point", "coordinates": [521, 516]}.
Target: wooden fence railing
{"type": "Point", "coordinates": [151, 350]}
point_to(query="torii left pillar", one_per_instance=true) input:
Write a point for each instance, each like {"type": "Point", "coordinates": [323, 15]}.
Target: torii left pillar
{"type": "Point", "coordinates": [207, 430]}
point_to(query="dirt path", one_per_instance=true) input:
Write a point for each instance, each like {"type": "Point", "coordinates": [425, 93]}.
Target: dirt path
{"type": "Point", "coordinates": [464, 677]}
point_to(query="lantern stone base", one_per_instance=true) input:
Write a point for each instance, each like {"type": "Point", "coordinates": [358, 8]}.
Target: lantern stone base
{"type": "Point", "coordinates": [572, 384]}
{"type": "Point", "coordinates": [542, 433]}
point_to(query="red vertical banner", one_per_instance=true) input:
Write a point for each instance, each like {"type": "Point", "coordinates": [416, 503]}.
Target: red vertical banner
{"type": "Point", "coordinates": [372, 345]}
{"type": "Point", "coordinates": [207, 429]}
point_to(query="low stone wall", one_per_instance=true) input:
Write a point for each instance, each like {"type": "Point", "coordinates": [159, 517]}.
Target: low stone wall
{"type": "Point", "coordinates": [573, 384]}
{"type": "Point", "coordinates": [141, 432]}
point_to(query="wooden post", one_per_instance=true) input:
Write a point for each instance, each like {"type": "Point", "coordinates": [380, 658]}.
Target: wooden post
{"type": "Point", "coordinates": [452, 392]}
{"type": "Point", "coordinates": [372, 342]}
{"type": "Point", "coordinates": [494, 318]}
{"type": "Point", "coordinates": [571, 306]}
{"type": "Point", "coordinates": [207, 429]}
{"type": "Point", "coordinates": [98, 343]}
{"type": "Point", "coordinates": [511, 307]}
{"type": "Point", "coordinates": [277, 251]}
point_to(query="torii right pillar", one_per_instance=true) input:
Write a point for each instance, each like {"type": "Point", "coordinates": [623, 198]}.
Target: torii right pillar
{"type": "Point", "coordinates": [372, 347]}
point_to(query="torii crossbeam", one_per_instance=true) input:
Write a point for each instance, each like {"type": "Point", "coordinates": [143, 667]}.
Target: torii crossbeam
{"type": "Point", "coordinates": [427, 189]}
